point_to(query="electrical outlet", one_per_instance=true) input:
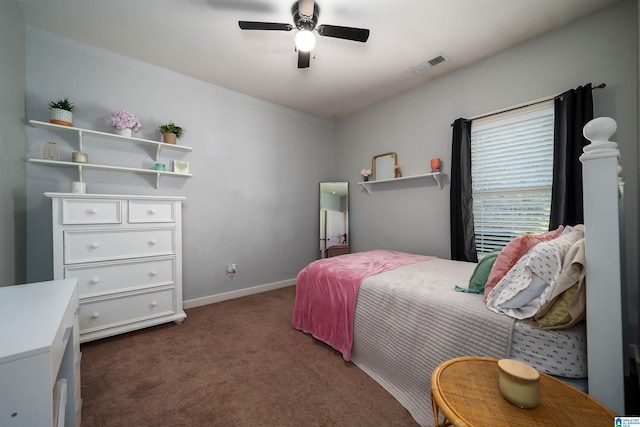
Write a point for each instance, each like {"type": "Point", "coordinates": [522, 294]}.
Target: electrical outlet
{"type": "Point", "coordinates": [231, 270]}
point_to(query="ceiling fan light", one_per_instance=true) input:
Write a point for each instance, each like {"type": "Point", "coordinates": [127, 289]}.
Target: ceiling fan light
{"type": "Point", "coordinates": [305, 41]}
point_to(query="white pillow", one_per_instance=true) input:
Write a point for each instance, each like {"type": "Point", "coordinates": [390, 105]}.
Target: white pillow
{"type": "Point", "coordinates": [546, 258]}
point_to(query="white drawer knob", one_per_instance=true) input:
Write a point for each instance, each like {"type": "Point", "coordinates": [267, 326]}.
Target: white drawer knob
{"type": "Point", "coordinates": [93, 245]}
{"type": "Point", "coordinates": [95, 315]}
{"type": "Point", "coordinates": [153, 273]}
{"type": "Point", "coordinates": [92, 211]}
{"type": "Point", "coordinates": [95, 280]}
{"type": "Point", "coordinates": [154, 303]}
{"type": "Point", "coordinates": [151, 211]}
{"type": "Point", "coordinates": [152, 242]}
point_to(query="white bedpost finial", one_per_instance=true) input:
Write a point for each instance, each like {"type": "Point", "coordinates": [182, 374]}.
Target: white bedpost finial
{"type": "Point", "coordinates": [598, 131]}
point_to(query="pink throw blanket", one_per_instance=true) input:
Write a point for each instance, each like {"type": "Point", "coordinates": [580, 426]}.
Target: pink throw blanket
{"type": "Point", "coordinates": [326, 292]}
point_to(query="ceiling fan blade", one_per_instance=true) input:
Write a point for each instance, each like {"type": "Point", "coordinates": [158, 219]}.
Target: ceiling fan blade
{"type": "Point", "coordinates": [305, 7]}
{"type": "Point", "coordinates": [348, 33]}
{"type": "Point", "coordinates": [274, 26]}
{"type": "Point", "coordinates": [304, 58]}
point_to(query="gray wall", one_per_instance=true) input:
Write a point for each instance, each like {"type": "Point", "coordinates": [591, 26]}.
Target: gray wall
{"type": "Point", "coordinates": [253, 199]}
{"type": "Point", "coordinates": [12, 145]}
{"type": "Point", "coordinates": [416, 124]}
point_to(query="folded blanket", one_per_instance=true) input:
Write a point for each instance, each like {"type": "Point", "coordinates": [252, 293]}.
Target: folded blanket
{"type": "Point", "coordinates": [567, 305]}
{"type": "Point", "coordinates": [326, 292]}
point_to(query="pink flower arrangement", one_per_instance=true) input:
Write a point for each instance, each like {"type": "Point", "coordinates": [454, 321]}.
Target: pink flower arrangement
{"type": "Point", "coordinates": [365, 172]}
{"type": "Point", "coordinates": [123, 120]}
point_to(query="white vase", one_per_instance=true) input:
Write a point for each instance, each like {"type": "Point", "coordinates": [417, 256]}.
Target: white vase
{"type": "Point", "coordinates": [124, 132]}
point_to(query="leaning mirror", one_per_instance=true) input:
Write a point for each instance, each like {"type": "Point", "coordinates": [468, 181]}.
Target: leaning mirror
{"type": "Point", "coordinates": [334, 219]}
{"type": "Point", "coordinates": [383, 166]}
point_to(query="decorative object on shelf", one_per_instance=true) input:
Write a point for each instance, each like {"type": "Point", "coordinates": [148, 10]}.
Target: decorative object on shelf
{"type": "Point", "coordinates": [180, 167]}
{"type": "Point", "coordinates": [397, 173]}
{"type": "Point", "coordinates": [79, 157]}
{"type": "Point", "coordinates": [366, 173]}
{"type": "Point", "coordinates": [160, 167]}
{"type": "Point", "coordinates": [171, 132]}
{"type": "Point", "coordinates": [78, 187]}
{"type": "Point", "coordinates": [51, 151]}
{"type": "Point", "coordinates": [125, 123]}
{"type": "Point", "coordinates": [436, 165]}
{"type": "Point", "coordinates": [61, 112]}
{"type": "Point", "coordinates": [383, 166]}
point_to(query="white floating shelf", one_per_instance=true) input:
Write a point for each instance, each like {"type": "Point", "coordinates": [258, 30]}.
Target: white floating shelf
{"type": "Point", "coordinates": [82, 166]}
{"type": "Point", "coordinates": [436, 176]}
{"type": "Point", "coordinates": [112, 136]}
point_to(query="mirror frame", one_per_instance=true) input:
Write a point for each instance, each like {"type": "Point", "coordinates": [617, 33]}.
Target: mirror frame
{"type": "Point", "coordinates": [393, 154]}
{"type": "Point", "coordinates": [345, 212]}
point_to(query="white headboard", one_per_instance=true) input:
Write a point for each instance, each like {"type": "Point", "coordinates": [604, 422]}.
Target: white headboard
{"type": "Point", "coordinates": [602, 194]}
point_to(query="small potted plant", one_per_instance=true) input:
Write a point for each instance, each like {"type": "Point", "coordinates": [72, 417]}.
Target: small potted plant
{"type": "Point", "coordinates": [61, 112]}
{"type": "Point", "coordinates": [171, 132]}
{"type": "Point", "coordinates": [125, 123]}
{"type": "Point", "coordinates": [366, 173]}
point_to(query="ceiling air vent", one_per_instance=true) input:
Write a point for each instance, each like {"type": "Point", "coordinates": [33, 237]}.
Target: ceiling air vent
{"type": "Point", "coordinates": [426, 65]}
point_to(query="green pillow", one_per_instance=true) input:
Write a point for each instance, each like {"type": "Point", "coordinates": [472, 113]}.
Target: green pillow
{"type": "Point", "coordinates": [480, 274]}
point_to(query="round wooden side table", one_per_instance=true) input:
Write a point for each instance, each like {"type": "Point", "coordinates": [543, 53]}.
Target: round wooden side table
{"type": "Point", "coordinates": [465, 390]}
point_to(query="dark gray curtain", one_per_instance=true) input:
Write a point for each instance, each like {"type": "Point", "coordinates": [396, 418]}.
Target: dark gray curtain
{"type": "Point", "coordinates": [573, 109]}
{"type": "Point", "coordinates": [463, 242]}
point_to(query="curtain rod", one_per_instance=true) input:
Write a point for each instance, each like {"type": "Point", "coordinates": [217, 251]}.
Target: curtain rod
{"type": "Point", "coordinates": [528, 104]}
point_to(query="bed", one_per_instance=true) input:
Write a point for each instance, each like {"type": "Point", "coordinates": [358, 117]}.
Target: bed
{"type": "Point", "coordinates": [397, 315]}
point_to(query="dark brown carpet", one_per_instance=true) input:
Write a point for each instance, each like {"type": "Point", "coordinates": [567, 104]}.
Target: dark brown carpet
{"type": "Point", "coordinates": [234, 363]}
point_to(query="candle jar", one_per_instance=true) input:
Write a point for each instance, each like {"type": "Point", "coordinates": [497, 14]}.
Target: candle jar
{"type": "Point", "coordinates": [78, 157]}
{"type": "Point", "coordinates": [519, 383]}
{"type": "Point", "coordinates": [436, 164]}
{"type": "Point", "coordinates": [78, 187]}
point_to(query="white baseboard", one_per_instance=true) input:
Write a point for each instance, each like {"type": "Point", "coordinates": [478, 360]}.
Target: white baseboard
{"type": "Point", "coordinates": [197, 302]}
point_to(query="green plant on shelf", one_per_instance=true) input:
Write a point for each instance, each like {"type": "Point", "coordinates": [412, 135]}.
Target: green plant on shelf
{"type": "Point", "coordinates": [62, 104]}
{"type": "Point", "coordinates": [172, 128]}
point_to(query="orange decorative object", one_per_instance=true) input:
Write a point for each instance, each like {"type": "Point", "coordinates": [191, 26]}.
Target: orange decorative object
{"type": "Point", "coordinates": [436, 164]}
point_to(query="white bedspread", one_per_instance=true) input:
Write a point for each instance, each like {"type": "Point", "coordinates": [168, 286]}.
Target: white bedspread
{"type": "Point", "coordinates": [409, 320]}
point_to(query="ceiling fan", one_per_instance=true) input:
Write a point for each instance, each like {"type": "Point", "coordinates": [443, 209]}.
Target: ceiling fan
{"type": "Point", "coordinates": [305, 17]}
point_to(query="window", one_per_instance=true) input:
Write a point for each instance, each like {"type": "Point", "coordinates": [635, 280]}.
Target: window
{"type": "Point", "coordinates": [512, 174]}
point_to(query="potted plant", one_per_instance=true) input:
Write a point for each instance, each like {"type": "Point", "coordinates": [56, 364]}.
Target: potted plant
{"type": "Point", "coordinates": [125, 123]}
{"type": "Point", "coordinates": [171, 132]}
{"type": "Point", "coordinates": [61, 112]}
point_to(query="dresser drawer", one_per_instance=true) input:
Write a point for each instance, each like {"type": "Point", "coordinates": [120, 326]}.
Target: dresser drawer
{"type": "Point", "coordinates": [151, 211]}
{"type": "Point", "coordinates": [98, 279]}
{"type": "Point", "coordinates": [79, 211]}
{"type": "Point", "coordinates": [102, 245]}
{"type": "Point", "coordinates": [126, 308]}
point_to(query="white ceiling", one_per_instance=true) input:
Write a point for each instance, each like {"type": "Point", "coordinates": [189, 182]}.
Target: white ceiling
{"type": "Point", "coordinates": [201, 38]}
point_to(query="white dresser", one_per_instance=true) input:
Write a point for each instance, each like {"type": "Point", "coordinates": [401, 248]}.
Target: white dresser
{"type": "Point", "coordinates": [40, 355]}
{"type": "Point", "coordinates": [126, 252]}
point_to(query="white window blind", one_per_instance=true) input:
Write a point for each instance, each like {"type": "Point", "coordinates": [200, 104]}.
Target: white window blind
{"type": "Point", "coordinates": [511, 172]}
